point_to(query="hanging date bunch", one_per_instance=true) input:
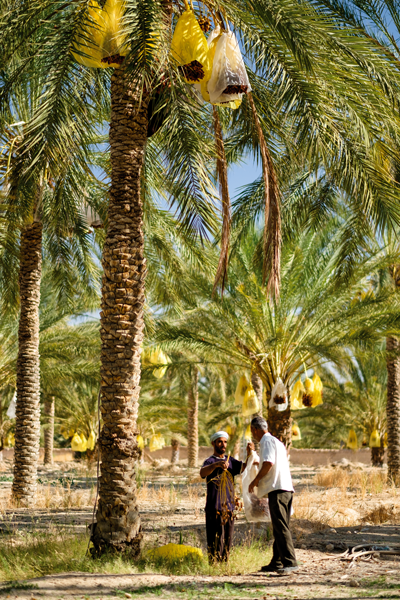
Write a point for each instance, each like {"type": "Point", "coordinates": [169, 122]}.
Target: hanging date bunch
{"type": "Point", "coordinates": [101, 42]}
{"type": "Point", "coordinates": [205, 23]}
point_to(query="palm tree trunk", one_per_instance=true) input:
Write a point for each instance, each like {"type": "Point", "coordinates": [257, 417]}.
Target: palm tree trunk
{"type": "Point", "coordinates": [256, 382]}
{"type": "Point", "coordinates": [377, 456]}
{"type": "Point", "coordinates": [393, 409]}
{"type": "Point", "coordinates": [175, 451]}
{"type": "Point", "coordinates": [48, 431]}
{"type": "Point", "coordinates": [118, 524]}
{"type": "Point", "coordinates": [27, 422]}
{"type": "Point", "coordinates": [193, 420]}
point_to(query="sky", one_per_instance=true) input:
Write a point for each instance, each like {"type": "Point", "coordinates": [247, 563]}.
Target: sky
{"type": "Point", "coordinates": [242, 174]}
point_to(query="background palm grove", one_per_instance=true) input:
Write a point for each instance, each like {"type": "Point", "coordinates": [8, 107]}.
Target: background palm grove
{"type": "Point", "coordinates": [206, 302]}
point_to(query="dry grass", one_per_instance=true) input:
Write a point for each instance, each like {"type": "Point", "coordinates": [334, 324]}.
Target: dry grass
{"type": "Point", "coordinates": [162, 494]}
{"type": "Point", "coordinates": [349, 498]}
{"type": "Point", "coordinates": [55, 497]}
{"type": "Point", "coordinates": [372, 481]}
{"type": "Point", "coordinates": [382, 514]}
{"type": "Point", "coordinates": [332, 508]}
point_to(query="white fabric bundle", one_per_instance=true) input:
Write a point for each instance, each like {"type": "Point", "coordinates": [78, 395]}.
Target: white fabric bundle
{"type": "Point", "coordinates": [228, 69]}
{"type": "Point", "coordinates": [278, 393]}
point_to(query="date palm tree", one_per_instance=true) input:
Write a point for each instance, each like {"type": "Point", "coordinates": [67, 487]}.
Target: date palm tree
{"type": "Point", "coordinates": [354, 398]}
{"type": "Point", "coordinates": [380, 21]}
{"type": "Point", "coordinates": [315, 321]}
{"type": "Point", "coordinates": [313, 68]}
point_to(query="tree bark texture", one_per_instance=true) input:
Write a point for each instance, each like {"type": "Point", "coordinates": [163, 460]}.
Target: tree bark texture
{"type": "Point", "coordinates": [48, 431]}
{"type": "Point", "coordinates": [27, 422]}
{"type": "Point", "coordinates": [377, 456]}
{"type": "Point", "coordinates": [118, 522]}
{"type": "Point", "coordinates": [175, 445]}
{"type": "Point", "coordinates": [193, 419]}
{"type": "Point", "coordinates": [257, 384]}
{"type": "Point", "coordinates": [393, 409]}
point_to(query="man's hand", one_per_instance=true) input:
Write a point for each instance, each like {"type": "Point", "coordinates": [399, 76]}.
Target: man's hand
{"type": "Point", "coordinates": [223, 464]}
{"type": "Point", "coordinates": [250, 447]}
{"type": "Point", "coordinates": [253, 485]}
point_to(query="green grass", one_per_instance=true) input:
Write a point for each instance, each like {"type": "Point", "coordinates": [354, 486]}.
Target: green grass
{"type": "Point", "coordinates": [24, 555]}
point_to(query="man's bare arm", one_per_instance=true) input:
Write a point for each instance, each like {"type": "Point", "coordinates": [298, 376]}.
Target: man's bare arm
{"type": "Point", "coordinates": [266, 467]}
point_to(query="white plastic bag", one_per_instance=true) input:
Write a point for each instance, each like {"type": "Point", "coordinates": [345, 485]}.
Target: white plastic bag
{"type": "Point", "coordinates": [11, 409]}
{"type": "Point", "coordinates": [228, 81]}
{"type": "Point", "coordinates": [279, 396]}
{"type": "Point", "coordinates": [256, 509]}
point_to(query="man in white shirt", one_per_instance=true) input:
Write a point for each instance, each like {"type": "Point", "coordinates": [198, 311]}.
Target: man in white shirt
{"type": "Point", "coordinates": [275, 481]}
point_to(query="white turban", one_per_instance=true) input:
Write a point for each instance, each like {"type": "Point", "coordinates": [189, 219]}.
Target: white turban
{"type": "Point", "coordinates": [219, 434]}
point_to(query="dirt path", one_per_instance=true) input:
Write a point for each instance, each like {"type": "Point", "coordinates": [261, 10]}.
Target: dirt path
{"type": "Point", "coordinates": [318, 579]}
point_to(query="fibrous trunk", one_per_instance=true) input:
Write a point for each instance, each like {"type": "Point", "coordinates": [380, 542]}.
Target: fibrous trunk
{"type": "Point", "coordinates": [175, 451]}
{"type": "Point", "coordinates": [118, 523]}
{"type": "Point", "coordinates": [393, 409]}
{"type": "Point", "coordinates": [27, 422]}
{"type": "Point", "coordinates": [377, 456]}
{"type": "Point", "coordinates": [48, 432]}
{"type": "Point", "coordinates": [193, 418]}
{"type": "Point", "coordinates": [256, 382]}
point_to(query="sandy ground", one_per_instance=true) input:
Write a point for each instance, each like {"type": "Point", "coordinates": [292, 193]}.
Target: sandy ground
{"type": "Point", "coordinates": [326, 522]}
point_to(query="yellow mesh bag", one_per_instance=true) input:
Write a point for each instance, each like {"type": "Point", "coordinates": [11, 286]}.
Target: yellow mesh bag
{"type": "Point", "coordinates": [241, 390]}
{"type": "Point", "coordinates": [352, 441]}
{"type": "Point", "coordinates": [296, 397]}
{"type": "Point", "coordinates": [308, 393]}
{"type": "Point", "coordinates": [101, 40]}
{"type": "Point", "coordinates": [385, 440]}
{"type": "Point", "coordinates": [91, 440]}
{"type": "Point", "coordinates": [64, 432]}
{"type": "Point", "coordinates": [140, 442]}
{"type": "Point", "coordinates": [9, 440]}
{"type": "Point", "coordinates": [157, 357]}
{"type": "Point", "coordinates": [84, 443]}
{"type": "Point", "coordinates": [247, 433]}
{"type": "Point", "coordinates": [189, 48]}
{"type": "Point", "coordinates": [296, 434]}
{"type": "Point", "coordinates": [175, 551]}
{"type": "Point", "coordinates": [250, 403]}
{"type": "Point", "coordinates": [76, 443]}
{"type": "Point", "coordinates": [157, 442]}
{"type": "Point", "coordinates": [317, 393]}
{"type": "Point", "coordinates": [375, 439]}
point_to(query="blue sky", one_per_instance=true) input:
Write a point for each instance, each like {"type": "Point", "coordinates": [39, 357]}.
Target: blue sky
{"type": "Point", "coordinates": [242, 174]}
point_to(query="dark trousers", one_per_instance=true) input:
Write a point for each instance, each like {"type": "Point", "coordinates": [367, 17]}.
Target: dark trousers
{"type": "Point", "coordinates": [219, 537]}
{"type": "Point", "coordinates": [280, 504]}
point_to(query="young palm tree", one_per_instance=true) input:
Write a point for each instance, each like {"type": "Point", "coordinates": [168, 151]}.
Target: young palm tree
{"type": "Point", "coordinates": [354, 398]}
{"type": "Point", "coordinates": [47, 204]}
{"type": "Point", "coordinates": [316, 319]}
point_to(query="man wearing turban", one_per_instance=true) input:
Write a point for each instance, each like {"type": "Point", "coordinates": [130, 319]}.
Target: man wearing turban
{"type": "Point", "coordinates": [220, 471]}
